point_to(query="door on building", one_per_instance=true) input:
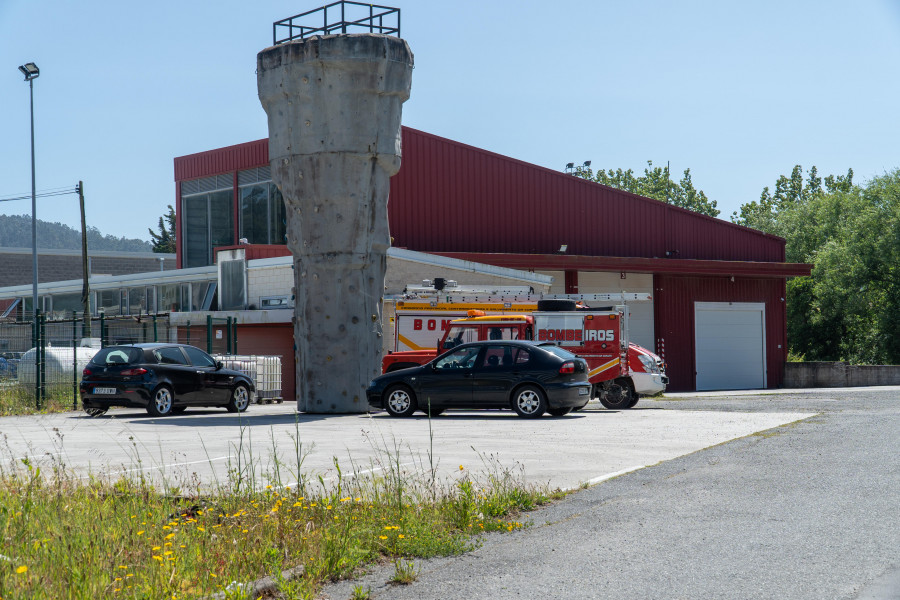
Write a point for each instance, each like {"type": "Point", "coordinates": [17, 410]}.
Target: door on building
{"type": "Point", "coordinates": [730, 345]}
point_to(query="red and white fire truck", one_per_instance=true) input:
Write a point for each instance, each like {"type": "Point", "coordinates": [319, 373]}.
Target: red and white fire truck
{"type": "Point", "coordinates": [428, 321]}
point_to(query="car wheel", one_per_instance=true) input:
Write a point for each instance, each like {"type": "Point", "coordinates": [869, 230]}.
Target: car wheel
{"type": "Point", "coordinates": [529, 402]}
{"type": "Point", "coordinates": [618, 396]}
{"type": "Point", "coordinates": [559, 412]}
{"type": "Point", "coordinates": [240, 399]}
{"type": "Point", "coordinates": [400, 401]}
{"type": "Point", "coordinates": [95, 412]}
{"type": "Point", "coordinates": [161, 402]}
{"type": "Point", "coordinates": [177, 410]}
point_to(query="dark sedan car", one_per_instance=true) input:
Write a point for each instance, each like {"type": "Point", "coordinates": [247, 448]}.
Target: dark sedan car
{"type": "Point", "coordinates": [163, 378]}
{"type": "Point", "coordinates": [529, 378]}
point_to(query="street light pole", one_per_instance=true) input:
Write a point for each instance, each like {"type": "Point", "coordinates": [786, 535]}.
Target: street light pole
{"type": "Point", "coordinates": [31, 72]}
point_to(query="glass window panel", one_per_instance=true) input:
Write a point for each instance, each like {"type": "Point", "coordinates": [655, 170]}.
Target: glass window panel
{"type": "Point", "coordinates": [108, 301]}
{"type": "Point", "coordinates": [254, 214]}
{"type": "Point", "coordinates": [168, 298]}
{"type": "Point", "coordinates": [66, 305]}
{"type": "Point", "coordinates": [278, 218]}
{"type": "Point", "coordinates": [221, 206]}
{"type": "Point", "coordinates": [186, 297]}
{"type": "Point", "coordinates": [195, 243]}
{"type": "Point", "coordinates": [198, 294]}
{"type": "Point", "coordinates": [137, 300]}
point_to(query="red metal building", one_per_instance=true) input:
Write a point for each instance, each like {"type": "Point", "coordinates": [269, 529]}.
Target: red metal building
{"type": "Point", "coordinates": [714, 283]}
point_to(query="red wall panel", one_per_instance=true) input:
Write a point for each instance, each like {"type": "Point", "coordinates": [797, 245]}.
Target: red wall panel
{"type": "Point", "coordinates": [674, 298]}
{"type": "Point", "coordinates": [222, 160]}
{"type": "Point", "coordinates": [450, 197]}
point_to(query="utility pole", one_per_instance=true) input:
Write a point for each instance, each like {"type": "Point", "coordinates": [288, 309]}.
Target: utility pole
{"type": "Point", "coordinates": [85, 286]}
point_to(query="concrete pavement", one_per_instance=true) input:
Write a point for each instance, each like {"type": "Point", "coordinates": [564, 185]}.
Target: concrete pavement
{"type": "Point", "coordinates": [583, 447]}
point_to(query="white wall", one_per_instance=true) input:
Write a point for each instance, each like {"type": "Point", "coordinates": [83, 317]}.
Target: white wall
{"type": "Point", "coordinates": [640, 320]}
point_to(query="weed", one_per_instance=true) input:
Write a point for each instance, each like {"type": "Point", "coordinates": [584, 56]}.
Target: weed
{"type": "Point", "coordinates": [360, 593]}
{"type": "Point", "coordinates": [405, 572]}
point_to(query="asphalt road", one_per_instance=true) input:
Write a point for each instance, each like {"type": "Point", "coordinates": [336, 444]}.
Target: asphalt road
{"type": "Point", "coordinates": [806, 510]}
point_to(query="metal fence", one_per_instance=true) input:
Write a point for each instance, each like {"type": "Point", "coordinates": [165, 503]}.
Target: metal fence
{"type": "Point", "coordinates": [341, 17]}
{"type": "Point", "coordinates": [47, 360]}
{"type": "Point", "coordinates": [47, 357]}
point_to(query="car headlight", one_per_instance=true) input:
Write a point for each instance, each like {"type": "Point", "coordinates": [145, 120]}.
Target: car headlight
{"type": "Point", "coordinates": [649, 363]}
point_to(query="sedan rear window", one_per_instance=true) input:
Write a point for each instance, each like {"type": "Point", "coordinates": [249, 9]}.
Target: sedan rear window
{"type": "Point", "coordinates": [118, 355]}
{"type": "Point", "coordinates": [560, 352]}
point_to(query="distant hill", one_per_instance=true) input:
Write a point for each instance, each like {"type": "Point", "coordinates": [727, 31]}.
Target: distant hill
{"type": "Point", "coordinates": [15, 232]}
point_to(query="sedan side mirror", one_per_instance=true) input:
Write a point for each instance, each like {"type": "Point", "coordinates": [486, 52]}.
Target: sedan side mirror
{"type": "Point", "coordinates": [219, 365]}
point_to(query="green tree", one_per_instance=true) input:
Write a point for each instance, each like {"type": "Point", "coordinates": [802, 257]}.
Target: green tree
{"type": "Point", "coordinates": [164, 241]}
{"type": "Point", "coordinates": [846, 309]}
{"type": "Point", "coordinates": [655, 183]}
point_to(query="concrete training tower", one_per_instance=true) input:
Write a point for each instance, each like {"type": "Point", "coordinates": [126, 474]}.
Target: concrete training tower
{"type": "Point", "coordinates": [333, 104]}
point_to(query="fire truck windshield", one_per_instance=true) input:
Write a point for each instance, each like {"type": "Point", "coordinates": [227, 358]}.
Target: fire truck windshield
{"type": "Point", "coordinates": [460, 335]}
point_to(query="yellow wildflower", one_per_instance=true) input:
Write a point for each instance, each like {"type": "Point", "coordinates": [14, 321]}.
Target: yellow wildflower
{"type": "Point", "coordinates": [170, 536]}
{"type": "Point", "coordinates": [141, 532]}
{"type": "Point", "coordinates": [382, 537]}
{"type": "Point", "coordinates": [21, 569]}
{"type": "Point", "coordinates": [155, 548]}
{"type": "Point", "coordinates": [159, 558]}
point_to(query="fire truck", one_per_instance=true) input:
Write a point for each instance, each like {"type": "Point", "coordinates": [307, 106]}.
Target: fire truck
{"type": "Point", "coordinates": [432, 319]}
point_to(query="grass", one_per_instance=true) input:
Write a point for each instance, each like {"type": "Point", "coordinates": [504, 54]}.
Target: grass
{"type": "Point", "coordinates": [65, 536]}
{"type": "Point", "coordinates": [18, 399]}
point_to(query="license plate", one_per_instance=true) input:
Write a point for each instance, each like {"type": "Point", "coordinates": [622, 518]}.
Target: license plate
{"type": "Point", "coordinates": [103, 390]}
{"type": "Point", "coordinates": [583, 391]}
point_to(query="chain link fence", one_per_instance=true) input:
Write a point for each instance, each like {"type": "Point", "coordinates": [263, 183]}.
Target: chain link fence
{"type": "Point", "coordinates": [42, 364]}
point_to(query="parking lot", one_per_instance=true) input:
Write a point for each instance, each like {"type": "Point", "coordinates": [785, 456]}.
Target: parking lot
{"type": "Point", "coordinates": [583, 447]}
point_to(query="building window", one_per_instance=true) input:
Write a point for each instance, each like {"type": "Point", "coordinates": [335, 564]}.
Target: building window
{"type": "Point", "coordinates": [262, 208]}
{"type": "Point", "coordinates": [207, 208]}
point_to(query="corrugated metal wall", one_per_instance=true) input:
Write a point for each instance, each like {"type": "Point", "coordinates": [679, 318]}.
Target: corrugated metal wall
{"type": "Point", "coordinates": [222, 160]}
{"type": "Point", "coordinates": [450, 197]}
{"type": "Point", "coordinates": [674, 298]}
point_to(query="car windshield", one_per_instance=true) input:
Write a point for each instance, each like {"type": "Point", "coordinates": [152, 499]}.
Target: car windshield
{"type": "Point", "coordinates": [464, 358]}
{"type": "Point", "coordinates": [560, 352]}
{"type": "Point", "coordinates": [117, 355]}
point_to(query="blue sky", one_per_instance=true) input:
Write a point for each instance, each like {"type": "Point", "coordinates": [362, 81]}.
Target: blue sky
{"type": "Point", "coordinates": [737, 92]}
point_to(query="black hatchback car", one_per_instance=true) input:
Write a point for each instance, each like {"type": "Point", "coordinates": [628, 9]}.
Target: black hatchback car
{"type": "Point", "coordinates": [163, 378]}
{"type": "Point", "coordinates": [529, 378]}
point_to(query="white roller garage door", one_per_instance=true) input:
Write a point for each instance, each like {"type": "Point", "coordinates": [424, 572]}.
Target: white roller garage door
{"type": "Point", "coordinates": [730, 345]}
